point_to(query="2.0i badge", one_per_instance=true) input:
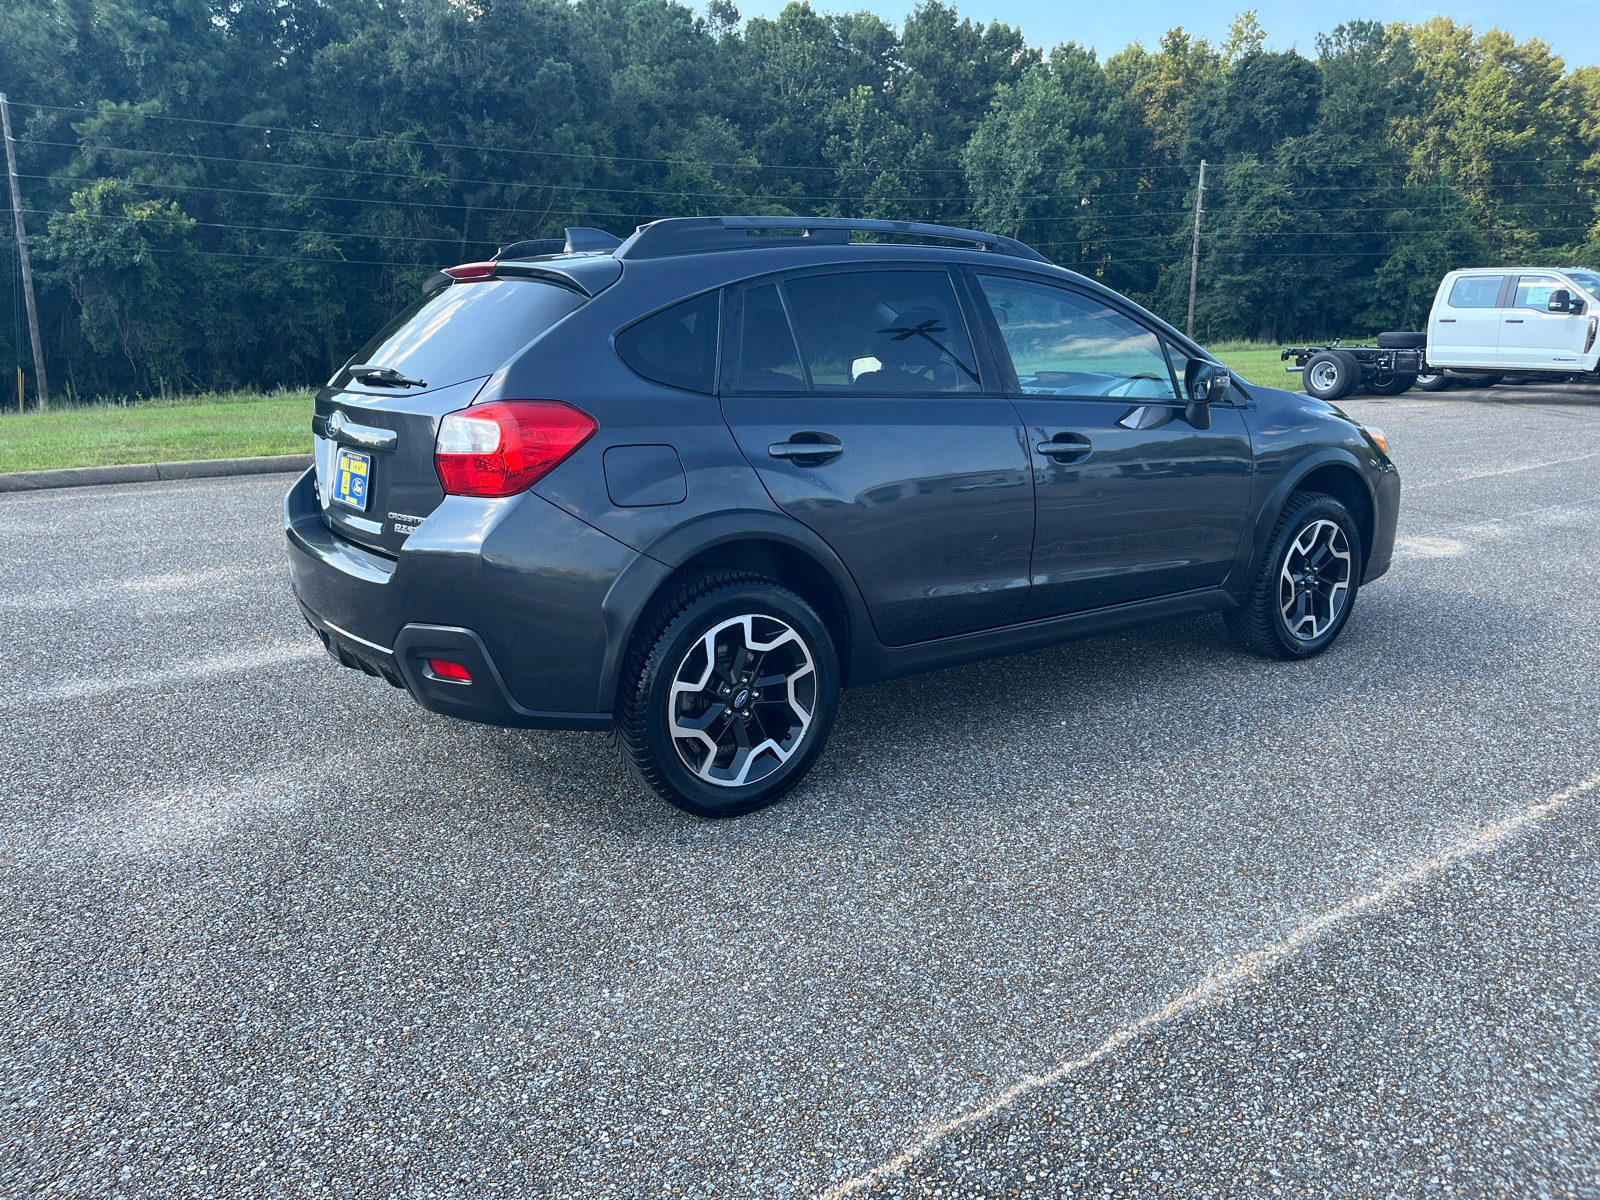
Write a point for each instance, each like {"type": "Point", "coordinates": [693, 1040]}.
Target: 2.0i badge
{"type": "Point", "coordinates": [404, 524]}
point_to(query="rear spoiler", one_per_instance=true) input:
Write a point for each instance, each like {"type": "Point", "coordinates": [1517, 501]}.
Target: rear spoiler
{"type": "Point", "coordinates": [578, 240]}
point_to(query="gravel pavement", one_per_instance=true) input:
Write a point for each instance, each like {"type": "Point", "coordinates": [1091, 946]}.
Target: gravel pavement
{"type": "Point", "coordinates": [270, 929]}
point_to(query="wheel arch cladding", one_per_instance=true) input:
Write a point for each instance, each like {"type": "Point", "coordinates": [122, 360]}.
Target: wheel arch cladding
{"type": "Point", "coordinates": [784, 563]}
{"type": "Point", "coordinates": [1345, 484]}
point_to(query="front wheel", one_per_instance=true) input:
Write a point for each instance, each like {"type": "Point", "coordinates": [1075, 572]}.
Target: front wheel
{"type": "Point", "coordinates": [1307, 584]}
{"type": "Point", "coordinates": [1331, 374]}
{"type": "Point", "coordinates": [728, 695]}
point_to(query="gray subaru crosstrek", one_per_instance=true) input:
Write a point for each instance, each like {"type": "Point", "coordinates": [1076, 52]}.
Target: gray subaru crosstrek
{"type": "Point", "coordinates": [688, 485]}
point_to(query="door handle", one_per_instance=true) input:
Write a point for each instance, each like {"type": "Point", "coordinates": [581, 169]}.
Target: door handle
{"type": "Point", "coordinates": [1514, 320]}
{"type": "Point", "coordinates": [1447, 320]}
{"type": "Point", "coordinates": [1062, 449]}
{"type": "Point", "coordinates": [804, 449]}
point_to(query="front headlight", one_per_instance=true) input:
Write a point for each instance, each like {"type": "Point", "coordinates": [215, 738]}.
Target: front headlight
{"type": "Point", "coordinates": [1378, 440]}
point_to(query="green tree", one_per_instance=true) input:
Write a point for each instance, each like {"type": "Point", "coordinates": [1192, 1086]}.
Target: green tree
{"type": "Point", "coordinates": [129, 268]}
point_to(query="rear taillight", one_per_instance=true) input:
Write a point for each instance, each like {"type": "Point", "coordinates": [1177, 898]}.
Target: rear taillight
{"type": "Point", "coordinates": [503, 448]}
{"type": "Point", "coordinates": [445, 669]}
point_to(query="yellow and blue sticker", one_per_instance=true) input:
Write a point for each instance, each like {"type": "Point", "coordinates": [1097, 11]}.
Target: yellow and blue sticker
{"type": "Point", "coordinates": [350, 475]}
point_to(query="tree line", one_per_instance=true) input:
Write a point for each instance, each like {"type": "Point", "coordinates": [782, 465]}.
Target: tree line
{"type": "Point", "coordinates": [226, 193]}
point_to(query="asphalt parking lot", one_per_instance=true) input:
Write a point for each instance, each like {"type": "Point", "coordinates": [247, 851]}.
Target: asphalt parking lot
{"type": "Point", "coordinates": [1140, 916]}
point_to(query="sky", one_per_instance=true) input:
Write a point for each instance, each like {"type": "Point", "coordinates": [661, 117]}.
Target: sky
{"type": "Point", "coordinates": [1569, 26]}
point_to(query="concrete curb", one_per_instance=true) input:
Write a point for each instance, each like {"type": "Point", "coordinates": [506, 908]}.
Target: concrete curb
{"type": "Point", "coordinates": [204, 468]}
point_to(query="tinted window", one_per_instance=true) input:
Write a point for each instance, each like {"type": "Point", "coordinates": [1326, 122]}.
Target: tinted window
{"type": "Point", "coordinates": [1064, 343]}
{"type": "Point", "coordinates": [1475, 291]}
{"type": "Point", "coordinates": [882, 331]}
{"type": "Point", "coordinates": [767, 360]}
{"type": "Point", "coordinates": [467, 329]}
{"type": "Point", "coordinates": [1534, 291]}
{"type": "Point", "coordinates": [677, 347]}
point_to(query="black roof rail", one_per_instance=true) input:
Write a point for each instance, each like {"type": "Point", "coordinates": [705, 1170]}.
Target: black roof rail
{"type": "Point", "coordinates": [700, 235]}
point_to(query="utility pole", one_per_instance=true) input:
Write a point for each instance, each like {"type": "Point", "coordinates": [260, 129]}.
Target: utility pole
{"type": "Point", "coordinates": [40, 386]}
{"type": "Point", "coordinates": [1194, 258]}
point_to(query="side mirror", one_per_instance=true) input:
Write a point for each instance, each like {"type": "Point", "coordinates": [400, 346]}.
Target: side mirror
{"type": "Point", "coordinates": [1560, 301]}
{"type": "Point", "coordinates": [1204, 382]}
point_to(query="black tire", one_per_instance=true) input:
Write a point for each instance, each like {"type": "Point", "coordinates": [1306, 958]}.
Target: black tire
{"type": "Point", "coordinates": [1435, 382]}
{"type": "Point", "coordinates": [1402, 341]}
{"type": "Point", "coordinates": [1390, 385]}
{"type": "Point", "coordinates": [1260, 624]}
{"type": "Point", "coordinates": [1331, 374]}
{"type": "Point", "coordinates": [669, 647]}
{"type": "Point", "coordinates": [1479, 381]}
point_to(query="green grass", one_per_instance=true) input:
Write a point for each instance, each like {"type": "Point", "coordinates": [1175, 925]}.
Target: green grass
{"type": "Point", "coordinates": [1257, 362]}
{"type": "Point", "coordinates": [238, 425]}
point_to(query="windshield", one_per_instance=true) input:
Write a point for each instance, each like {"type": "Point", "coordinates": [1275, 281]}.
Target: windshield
{"type": "Point", "coordinates": [466, 330]}
{"type": "Point", "coordinates": [1589, 281]}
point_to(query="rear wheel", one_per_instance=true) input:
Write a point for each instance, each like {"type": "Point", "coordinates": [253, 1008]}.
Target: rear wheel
{"type": "Point", "coordinates": [1389, 384]}
{"type": "Point", "coordinates": [1432, 381]}
{"type": "Point", "coordinates": [728, 695]}
{"type": "Point", "coordinates": [1479, 381]}
{"type": "Point", "coordinates": [1331, 374]}
{"type": "Point", "coordinates": [1307, 584]}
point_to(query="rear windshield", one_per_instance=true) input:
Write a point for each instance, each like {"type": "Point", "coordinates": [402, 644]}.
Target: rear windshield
{"type": "Point", "coordinates": [466, 330]}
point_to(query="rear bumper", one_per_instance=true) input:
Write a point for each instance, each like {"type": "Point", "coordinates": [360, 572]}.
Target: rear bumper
{"type": "Point", "coordinates": [489, 585]}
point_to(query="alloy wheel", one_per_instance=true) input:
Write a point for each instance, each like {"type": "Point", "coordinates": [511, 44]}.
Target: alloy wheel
{"type": "Point", "coordinates": [742, 700]}
{"type": "Point", "coordinates": [1314, 585]}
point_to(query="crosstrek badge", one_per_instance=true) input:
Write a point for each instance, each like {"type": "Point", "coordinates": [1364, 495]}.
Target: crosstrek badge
{"type": "Point", "coordinates": [350, 476]}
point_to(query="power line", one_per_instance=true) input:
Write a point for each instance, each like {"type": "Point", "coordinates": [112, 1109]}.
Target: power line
{"type": "Point", "coordinates": [403, 140]}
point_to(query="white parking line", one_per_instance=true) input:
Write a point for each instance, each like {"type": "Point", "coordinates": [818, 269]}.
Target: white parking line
{"type": "Point", "coordinates": [1554, 462]}
{"type": "Point", "coordinates": [209, 667]}
{"type": "Point", "coordinates": [1247, 969]}
{"type": "Point", "coordinates": [196, 583]}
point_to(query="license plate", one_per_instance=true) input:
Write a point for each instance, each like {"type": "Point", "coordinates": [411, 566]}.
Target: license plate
{"type": "Point", "coordinates": [351, 474]}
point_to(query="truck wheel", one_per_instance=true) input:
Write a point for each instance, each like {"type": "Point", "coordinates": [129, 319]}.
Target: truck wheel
{"type": "Point", "coordinates": [1479, 381]}
{"type": "Point", "coordinates": [728, 694]}
{"type": "Point", "coordinates": [1389, 385]}
{"type": "Point", "coordinates": [1331, 374]}
{"type": "Point", "coordinates": [1432, 381]}
{"type": "Point", "coordinates": [1307, 583]}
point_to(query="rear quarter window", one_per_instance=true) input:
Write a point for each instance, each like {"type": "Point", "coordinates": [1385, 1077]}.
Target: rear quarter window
{"type": "Point", "coordinates": [1475, 291]}
{"type": "Point", "coordinates": [677, 346]}
{"type": "Point", "coordinates": [467, 330]}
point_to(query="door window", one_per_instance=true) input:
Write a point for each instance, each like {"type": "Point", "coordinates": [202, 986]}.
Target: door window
{"type": "Point", "coordinates": [767, 360]}
{"type": "Point", "coordinates": [1064, 343]}
{"type": "Point", "coordinates": [1534, 291]}
{"type": "Point", "coordinates": [1475, 291]}
{"type": "Point", "coordinates": [886, 332]}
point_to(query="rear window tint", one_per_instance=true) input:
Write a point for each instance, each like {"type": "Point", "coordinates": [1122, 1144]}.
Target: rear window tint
{"type": "Point", "coordinates": [677, 347]}
{"type": "Point", "coordinates": [1475, 291]}
{"type": "Point", "coordinates": [467, 329]}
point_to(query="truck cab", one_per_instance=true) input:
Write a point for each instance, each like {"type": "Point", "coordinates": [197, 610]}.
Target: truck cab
{"type": "Point", "coordinates": [1521, 320]}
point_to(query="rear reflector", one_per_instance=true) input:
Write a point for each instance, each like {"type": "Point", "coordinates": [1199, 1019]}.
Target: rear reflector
{"type": "Point", "coordinates": [503, 448]}
{"type": "Point", "coordinates": [449, 670]}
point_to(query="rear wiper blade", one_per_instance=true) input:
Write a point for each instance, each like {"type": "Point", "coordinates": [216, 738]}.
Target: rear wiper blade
{"type": "Point", "coordinates": [383, 377]}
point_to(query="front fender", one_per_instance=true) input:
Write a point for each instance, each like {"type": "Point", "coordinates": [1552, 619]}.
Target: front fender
{"type": "Point", "coordinates": [1363, 471]}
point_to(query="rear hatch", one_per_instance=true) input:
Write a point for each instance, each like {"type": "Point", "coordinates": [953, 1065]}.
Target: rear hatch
{"type": "Point", "coordinates": [375, 422]}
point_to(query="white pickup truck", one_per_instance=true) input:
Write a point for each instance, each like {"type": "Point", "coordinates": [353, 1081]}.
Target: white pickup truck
{"type": "Point", "coordinates": [1486, 323]}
